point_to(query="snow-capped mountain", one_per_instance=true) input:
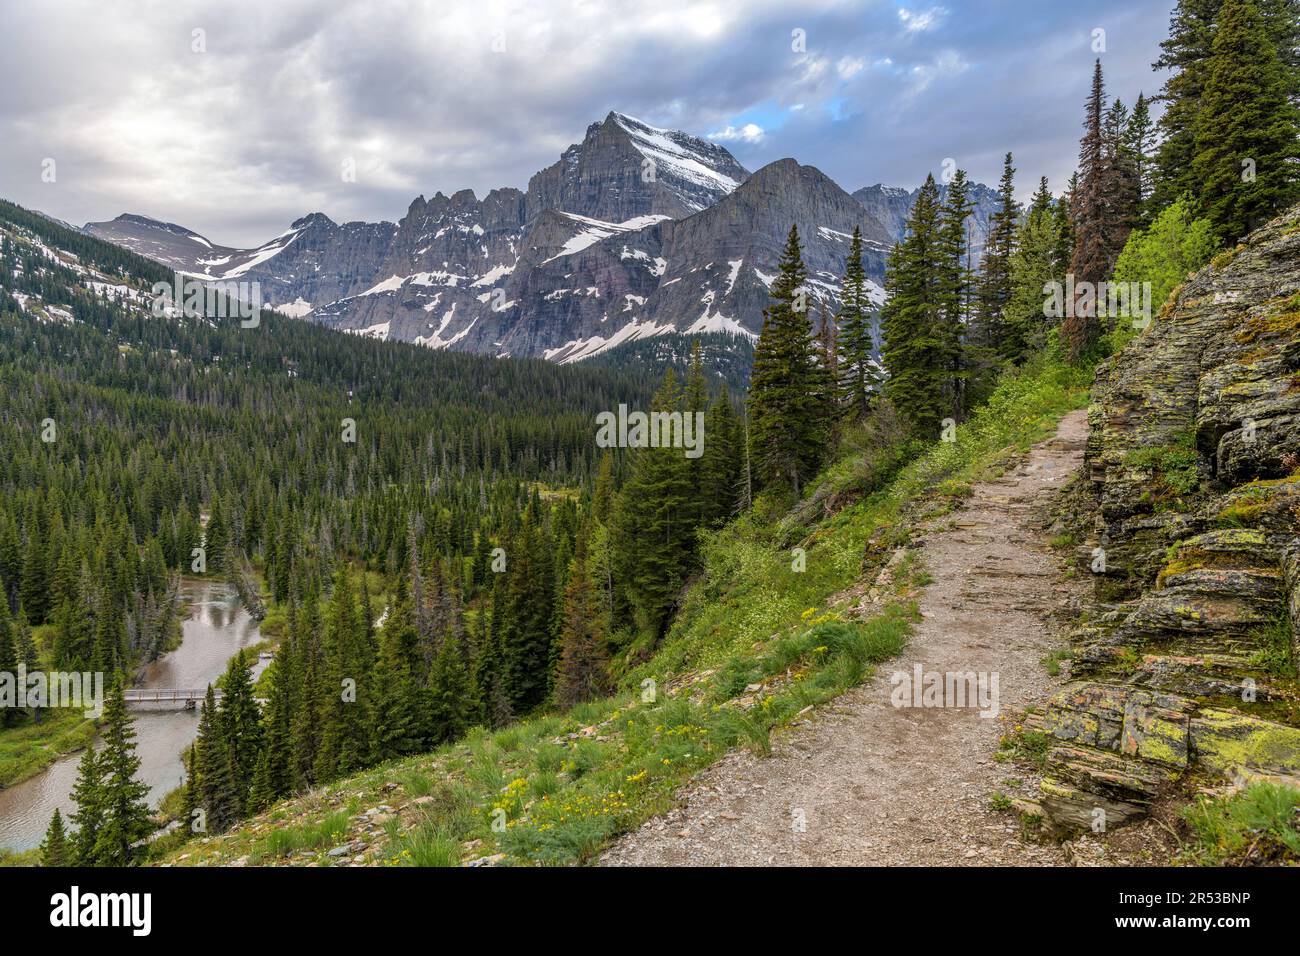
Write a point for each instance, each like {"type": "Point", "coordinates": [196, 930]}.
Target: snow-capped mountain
{"type": "Point", "coordinates": [625, 168]}
{"type": "Point", "coordinates": [634, 232]}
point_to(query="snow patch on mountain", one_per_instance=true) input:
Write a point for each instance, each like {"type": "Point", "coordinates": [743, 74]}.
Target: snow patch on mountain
{"type": "Point", "coordinates": [678, 153]}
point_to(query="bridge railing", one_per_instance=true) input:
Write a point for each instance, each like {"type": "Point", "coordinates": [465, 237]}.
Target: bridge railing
{"type": "Point", "coordinates": [166, 694]}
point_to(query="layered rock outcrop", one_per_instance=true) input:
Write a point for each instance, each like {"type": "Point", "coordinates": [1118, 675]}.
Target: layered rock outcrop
{"type": "Point", "coordinates": [1184, 672]}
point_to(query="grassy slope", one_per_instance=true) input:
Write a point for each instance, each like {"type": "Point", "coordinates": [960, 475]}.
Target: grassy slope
{"type": "Point", "coordinates": [555, 788]}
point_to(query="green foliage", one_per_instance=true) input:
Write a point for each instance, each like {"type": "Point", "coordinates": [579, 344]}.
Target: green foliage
{"type": "Point", "coordinates": [1173, 466]}
{"type": "Point", "coordinates": [1248, 126]}
{"type": "Point", "coordinates": [1164, 254]}
{"type": "Point", "coordinates": [1234, 64]}
{"type": "Point", "coordinates": [1253, 826]}
{"type": "Point", "coordinates": [788, 417]}
{"type": "Point", "coordinates": [1032, 266]}
{"type": "Point", "coordinates": [918, 340]}
{"type": "Point", "coordinates": [859, 374]}
{"type": "Point", "coordinates": [55, 849]}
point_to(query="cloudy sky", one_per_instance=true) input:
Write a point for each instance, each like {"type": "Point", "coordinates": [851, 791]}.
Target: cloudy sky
{"type": "Point", "coordinates": [234, 118]}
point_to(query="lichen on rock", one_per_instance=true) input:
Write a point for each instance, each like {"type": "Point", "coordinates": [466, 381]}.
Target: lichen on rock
{"type": "Point", "coordinates": [1193, 466]}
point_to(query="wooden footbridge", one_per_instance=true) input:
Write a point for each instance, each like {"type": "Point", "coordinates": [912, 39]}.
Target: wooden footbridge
{"type": "Point", "coordinates": [189, 699]}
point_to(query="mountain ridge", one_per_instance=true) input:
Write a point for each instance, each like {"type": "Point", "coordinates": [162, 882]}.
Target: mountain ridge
{"type": "Point", "coordinates": [604, 246]}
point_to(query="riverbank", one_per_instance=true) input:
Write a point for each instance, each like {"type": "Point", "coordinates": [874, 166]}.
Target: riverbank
{"type": "Point", "coordinates": [30, 749]}
{"type": "Point", "coordinates": [215, 626]}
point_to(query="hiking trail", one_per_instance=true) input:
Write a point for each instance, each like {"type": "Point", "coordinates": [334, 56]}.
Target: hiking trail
{"type": "Point", "coordinates": [872, 784]}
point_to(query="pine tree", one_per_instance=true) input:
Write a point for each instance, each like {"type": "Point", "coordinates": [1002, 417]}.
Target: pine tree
{"type": "Point", "coordinates": [719, 468]}
{"type": "Point", "coordinates": [584, 662]}
{"type": "Point", "coordinates": [528, 614]}
{"type": "Point", "coordinates": [858, 371]}
{"type": "Point", "coordinates": [241, 727]}
{"type": "Point", "coordinates": [451, 691]}
{"type": "Point", "coordinates": [216, 787]}
{"type": "Point", "coordinates": [56, 850]}
{"type": "Point", "coordinates": [273, 777]}
{"type": "Point", "coordinates": [1033, 266]}
{"type": "Point", "coordinates": [1248, 130]}
{"type": "Point", "coordinates": [397, 722]}
{"type": "Point", "coordinates": [993, 289]}
{"type": "Point", "coordinates": [1185, 52]}
{"type": "Point", "coordinates": [192, 796]}
{"type": "Point", "coordinates": [653, 528]}
{"type": "Point", "coordinates": [346, 718]}
{"type": "Point", "coordinates": [1094, 241]}
{"type": "Point", "coordinates": [954, 291]}
{"type": "Point", "coordinates": [125, 819]}
{"type": "Point", "coordinates": [826, 385]}
{"type": "Point", "coordinates": [1140, 143]}
{"type": "Point", "coordinates": [912, 320]}
{"type": "Point", "coordinates": [8, 661]}
{"type": "Point", "coordinates": [36, 574]}
{"type": "Point", "coordinates": [309, 691]}
{"type": "Point", "coordinates": [1063, 254]}
{"type": "Point", "coordinates": [1124, 190]}
{"type": "Point", "coordinates": [88, 795]}
{"type": "Point", "coordinates": [786, 426]}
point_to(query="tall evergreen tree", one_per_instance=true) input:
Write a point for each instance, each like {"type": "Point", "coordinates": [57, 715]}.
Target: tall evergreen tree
{"type": "Point", "coordinates": [1033, 266]}
{"type": "Point", "coordinates": [125, 821]}
{"type": "Point", "coordinates": [451, 691]}
{"type": "Point", "coordinates": [1140, 143]}
{"type": "Point", "coordinates": [88, 795]}
{"type": "Point", "coordinates": [993, 289]}
{"type": "Point", "coordinates": [584, 662]}
{"type": "Point", "coordinates": [1247, 133]}
{"type": "Point", "coordinates": [346, 718]}
{"type": "Point", "coordinates": [858, 371]}
{"type": "Point", "coordinates": [396, 711]}
{"type": "Point", "coordinates": [786, 427]}
{"type": "Point", "coordinates": [912, 320]}
{"type": "Point", "coordinates": [216, 785]}
{"type": "Point", "coordinates": [241, 727]}
{"type": "Point", "coordinates": [1095, 239]}
{"type": "Point", "coordinates": [655, 537]}
{"type": "Point", "coordinates": [955, 290]}
{"type": "Point", "coordinates": [55, 849]}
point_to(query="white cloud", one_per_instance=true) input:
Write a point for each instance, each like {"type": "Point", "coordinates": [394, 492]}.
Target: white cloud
{"type": "Point", "coordinates": [919, 21]}
{"type": "Point", "coordinates": [749, 133]}
{"type": "Point", "coordinates": [849, 67]}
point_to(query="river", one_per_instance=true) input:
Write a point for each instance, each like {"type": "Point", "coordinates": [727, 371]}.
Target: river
{"type": "Point", "coordinates": [215, 628]}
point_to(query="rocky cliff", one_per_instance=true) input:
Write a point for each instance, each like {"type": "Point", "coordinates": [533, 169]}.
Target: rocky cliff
{"type": "Point", "coordinates": [1184, 674]}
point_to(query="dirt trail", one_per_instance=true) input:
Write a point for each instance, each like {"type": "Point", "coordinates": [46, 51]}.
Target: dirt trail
{"type": "Point", "coordinates": [879, 785]}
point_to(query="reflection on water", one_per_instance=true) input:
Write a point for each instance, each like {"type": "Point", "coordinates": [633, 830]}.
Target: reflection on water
{"type": "Point", "coordinates": [215, 628]}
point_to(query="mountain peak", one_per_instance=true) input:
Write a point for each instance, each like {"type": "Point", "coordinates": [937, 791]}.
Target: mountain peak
{"type": "Point", "coordinates": [312, 219]}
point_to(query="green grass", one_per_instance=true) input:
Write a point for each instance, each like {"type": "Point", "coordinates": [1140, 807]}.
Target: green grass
{"type": "Point", "coordinates": [324, 835]}
{"type": "Point", "coordinates": [1052, 660]}
{"type": "Point", "coordinates": [28, 749]}
{"type": "Point", "coordinates": [1025, 747]}
{"type": "Point", "coordinates": [1274, 654]}
{"type": "Point", "coordinates": [1255, 825]}
{"type": "Point", "coordinates": [554, 789]}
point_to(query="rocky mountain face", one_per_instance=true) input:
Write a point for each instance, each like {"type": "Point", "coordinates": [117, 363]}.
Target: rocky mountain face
{"type": "Point", "coordinates": [1185, 671]}
{"type": "Point", "coordinates": [634, 232]}
{"type": "Point", "coordinates": [624, 168]}
{"type": "Point", "coordinates": [891, 206]}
